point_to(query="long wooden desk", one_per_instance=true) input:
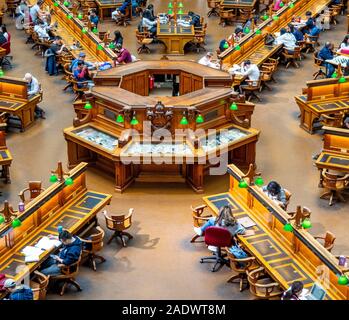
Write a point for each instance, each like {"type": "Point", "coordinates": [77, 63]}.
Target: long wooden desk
{"type": "Point", "coordinates": [107, 6]}
{"type": "Point", "coordinates": [286, 256]}
{"type": "Point", "coordinates": [14, 100]}
{"type": "Point", "coordinates": [175, 37]}
{"type": "Point", "coordinates": [72, 207]}
{"type": "Point", "coordinates": [5, 159]}
{"type": "Point", "coordinates": [326, 96]}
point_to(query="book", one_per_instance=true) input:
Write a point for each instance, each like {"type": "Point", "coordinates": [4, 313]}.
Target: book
{"type": "Point", "coordinates": [45, 243]}
{"type": "Point", "coordinates": [246, 222]}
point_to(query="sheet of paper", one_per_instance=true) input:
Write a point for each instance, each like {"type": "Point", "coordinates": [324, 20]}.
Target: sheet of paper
{"type": "Point", "coordinates": [247, 222]}
{"type": "Point", "coordinates": [31, 251]}
{"type": "Point", "coordinates": [46, 243]}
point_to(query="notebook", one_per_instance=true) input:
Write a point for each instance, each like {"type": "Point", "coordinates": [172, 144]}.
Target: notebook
{"type": "Point", "coordinates": [246, 222]}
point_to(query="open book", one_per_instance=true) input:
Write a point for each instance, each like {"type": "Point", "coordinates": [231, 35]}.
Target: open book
{"type": "Point", "coordinates": [32, 253]}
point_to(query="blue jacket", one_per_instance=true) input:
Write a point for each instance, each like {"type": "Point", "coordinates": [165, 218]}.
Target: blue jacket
{"type": "Point", "coordinates": [310, 23]}
{"type": "Point", "coordinates": [314, 31]}
{"type": "Point", "coordinates": [22, 293]}
{"type": "Point", "coordinates": [298, 35]}
{"type": "Point", "coordinates": [94, 20]}
{"type": "Point", "coordinates": [71, 252]}
{"type": "Point", "coordinates": [123, 7]}
{"type": "Point", "coordinates": [325, 54]}
{"type": "Point", "coordinates": [195, 20]}
{"type": "Point", "coordinates": [221, 45]}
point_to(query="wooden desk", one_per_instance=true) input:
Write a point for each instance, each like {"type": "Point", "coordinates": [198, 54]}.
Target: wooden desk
{"type": "Point", "coordinates": [175, 37]}
{"type": "Point", "coordinates": [5, 158]}
{"type": "Point", "coordinates": [328, 160]}
{"type": "Point", "coordinates": [326, 96]}
{"type": "Point", "coordinates": [72, 207]}
{"type": "Point", "coordinates": [286, 256]}
{"type": "Point", "coordinates": [107, 6]}
{"type": "Point", "coordinates": [238, 4]}
{"type": "Point", "coordinates": [14, 100]}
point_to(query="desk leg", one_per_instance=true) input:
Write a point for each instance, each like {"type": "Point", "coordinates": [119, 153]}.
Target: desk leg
{"type": "Point", "coordinates": [6, 173]}
{"type": "Point", "coordinates": [320, 185]}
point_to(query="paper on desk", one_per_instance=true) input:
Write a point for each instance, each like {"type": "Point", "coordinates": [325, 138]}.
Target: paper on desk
{"type": "Point", "coordinates": [32, 258]}
{"type": "Point", "coordinates": [45, 243]}
{"type": "Point", "coordinates": [32, 254]}
{"type": "Point", "coordinates": [247, 222]}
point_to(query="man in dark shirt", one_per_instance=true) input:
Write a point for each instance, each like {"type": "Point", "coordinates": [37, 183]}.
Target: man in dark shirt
{"type": "Point", "coordinates": [327, 54]}
{"type": "Point", "coordinates": [55, 49]}
{"type": "Point", "coordinates": [2, 38]}
{"type": "Point", "coordinates": [195, 19]}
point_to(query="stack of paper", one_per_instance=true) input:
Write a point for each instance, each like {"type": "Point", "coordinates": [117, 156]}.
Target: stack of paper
{"type": "Point", "coordinates": [45, 243]}
{"type": "Point", "coordinates": [32, 254]}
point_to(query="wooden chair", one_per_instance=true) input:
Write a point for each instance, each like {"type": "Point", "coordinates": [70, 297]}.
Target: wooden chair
{"type": "Point", "coordinates": [335, 11]}
{"type": "Point", "coordinates": [68, 76]}
{"type": "Point", "coordinates": [124, 19]}
{"type": "Point", "coordinates": [288, 195]}
{"type": "Point", "coordinates": [226, 16]}
{"type": "Point", "coordinates": [214, 6]}
{"type": "Point", "coordinates": [318, 62]}
{"type": "Point", "coordinates": [199, 219]}
{"type": "Point", "coordinates": [266, 77]}
{"type": "Point", "coordinates": [333, 120]}
{"type": "Point", "coordinates": [34, 189]}
{"type": "Point", "coordinates": [119, 224]}
{"type": "Point", "coordinates": [143, 39]}
{"type": "Point", "coordinates": [328, 240]}
{"type": "Point", "coordinates": [199, 38]}
{"type": "Point", "coordinates": [272, 64]}
{"type": "Point", "coordinates": [335, 185]}
{"type": "Point", "coordinates": [245, 14]}
{"type": "Point", "coordinates": [292, 58]}
{"type": "Point", "coordinates": [79, 88]}
{"type": "Point", "coordinates": [261, 285]}
{"type": "Point", "coordinates": [68, 276]}
{"type": "Point", "coordinates": [94, 245]}
{"type": "Point", "coordinates": [311, 42]}
{"type": "Point", "coordinates": [251, 88]}
{"type": "Point", "coordinates": [105, 37]}
{"type": "Point", "coordinates": [39, 283]}
{"type": "Point", "coordinates": [240, 266]}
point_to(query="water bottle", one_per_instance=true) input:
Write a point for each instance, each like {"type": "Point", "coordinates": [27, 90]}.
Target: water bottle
{"type": "Point", "coordinates": [342, 260]}
{"type": "Point", "coordinates": [21, 207]}
{"type": "Point", "coordinates": [60, 229]}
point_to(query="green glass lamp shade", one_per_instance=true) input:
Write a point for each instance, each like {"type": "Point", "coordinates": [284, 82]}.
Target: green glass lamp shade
{"type": "Point", "coordinates": [291, 5]}
{"type": "Point", "coordinates": [281, 4]}
{"type": "Point", "coordinates": [246, 30]}
{"type": "Point", "coordinates": [258, 31]}
{"type": "Point", "coordinates": [275, 18]}
{"type": "Point", "coordinates": [199, 119]}
{"type": "Point", "coordinates": [134, 121]}
{"type": "Point", "coordinates": [84, 30]}
{"type": "Point", "coordinates": [288, 227]}
{"type": "Point", "coordinates": [180, 11]}
{"type": "Point", "coordinates": [2, 219]}
{"type": "Point", "coordinates": [88, 106]}
{"type": "Point", "coordinates": [111, 45]}
{"type": "Point", "coordinates": [66, 3]}
{"type": "Point", "coordinates": [342, 80]}
{"type": "Point", "coordinates": [170, 11]}
{"type": "Point", "coordinates": [16, 223]}
{"type": "Point", "coordinates": [226, 45]}
{"type": "Point", "coordinates": [233, 106]}
{"type": "Point", "coordinates": [180, 5]}
{"type": "Point", "coordinates": [120, 119]}
{"type": "Point", "coordinates": [95, 30]}
{"type": "Point", "coordinates": [80, 16]}
{"type": "Point", "coordinates": [69, 181]}
{"type": "Point", "coordinates": [243, 184]}
{"type": "Point", "coordinates": [343, 280]}
{"type": "Point", "coordinates": [2, 73]}
{"type": "Point", "coordinates": [237, 47]}
{"type": "Point", "coordinates": [184, 121]}
{"type": "Point", "coordinates": [99, 47]}
{"type": "Point", "coordinates": [55, 4]}
{"type": "Point", "coordinates": [259, 182]}
{"type": "Point", "coordinates": [170, 5]}
{"type": "Point", "coordinates": [306, 224]}
{"type": "Point", "coordinates": [53, 178]}
{"type": "Point", "coordinates": [69, 16]}
{"type": "Point", "coordinates": [334, 75]}
{"type": "Point", "coordinates": [265, 17]}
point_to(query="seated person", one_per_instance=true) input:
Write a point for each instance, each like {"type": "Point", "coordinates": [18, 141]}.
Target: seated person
{"type": "Point", "coordinates": [225, 219]}
{"type": "Point", "coordinates": [94, 18]}
{"type": "Point", "coordinates": [33, 90]}
{"type": "Point", "coordinates": [21, 10]}
{"type": "Point", "coordinates": [346, 122]}
{"type": "Point", "coordinates": [309, 23]}
{"type": "Point", "coordinates": [150, 7]}
{"type": "Point", "coordinates": [148, 23]}
{"type": "Point", "coordinates": [68, 255]}
{"type": "Point", "coordinates": [82, 57]}
{"type": "Point", "coordinates": [124, 56]}
{"type": "Point", "coordinates": [326, 54]}
{"type": "Point", "coordinates": [195, 19]}
{"type": "Point", "coordinates": [296, 32]}
{"type": "Point", "coordinates": [237, 35]}
{"type": "Point", "coordinates": [42, 30]}
{"type": "Point", "coordinates": [118, 39]}
{"type": "Point", "coordinates": [207, 61]}
{"type": "Point", "coordinates": [36, 13]}
{"type": "Point", "coordinates": [345, 43]}
{"type": "Point", "coordinates": [121, 10]}
{"type": "Point", "coordinates": [287, 39]}
{"type": "Point", "coordinates": [247, 69]}
{"type": "Point", "coordinates": [5, 32]}
{"type": "Point", "coordinates": [81, 73]}
{"type": "Point", "coordinates": [223, 45]}
{"type": "Point", "coordinates": [277, 5]}
{"type": "Point", "coordinates": [18, 292]}
{"type": "Point", "coordinates": [2, 38]}
{"type": "Point", "coordinates": [293, 292]}
{"type": "Point", "coordinates": [314, 31]}
{"type": "Point", "coordinates": [274, 191]}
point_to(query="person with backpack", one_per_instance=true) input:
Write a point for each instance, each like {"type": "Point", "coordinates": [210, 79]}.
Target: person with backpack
{"type": "Point", "coordinates": [293, 292]}
{"type": "Point", "coordinates": [20, 292]}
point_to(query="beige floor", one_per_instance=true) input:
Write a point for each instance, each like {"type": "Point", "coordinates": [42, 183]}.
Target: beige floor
{"type": "Point", "coordinates": [160, 263]}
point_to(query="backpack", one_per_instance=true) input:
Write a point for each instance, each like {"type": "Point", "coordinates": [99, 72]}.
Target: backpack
{"type": "Point", "coordinates": [2, 282]}
{"type": "Point", "coordinates": [238, 252]}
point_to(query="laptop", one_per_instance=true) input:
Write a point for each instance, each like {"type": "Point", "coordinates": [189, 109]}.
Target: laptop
{"type": "Point", "coordinates": [316, 293]}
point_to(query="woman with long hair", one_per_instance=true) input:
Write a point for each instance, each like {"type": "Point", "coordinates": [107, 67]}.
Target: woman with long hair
{"type": "Point", "coordinates": [293, 292]}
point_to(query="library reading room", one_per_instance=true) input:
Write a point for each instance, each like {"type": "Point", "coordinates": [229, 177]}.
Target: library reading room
{"type": "Point", "coordinates": [174, 150]}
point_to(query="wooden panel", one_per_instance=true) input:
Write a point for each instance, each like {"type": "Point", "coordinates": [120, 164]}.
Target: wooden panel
{"type": "Point", "coordinates": [141, 81]}
{"type": "Point", "coordinates": [185, 83]}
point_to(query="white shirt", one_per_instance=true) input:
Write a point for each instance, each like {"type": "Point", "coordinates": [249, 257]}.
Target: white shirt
{"type": "Point", "coordinates": [205, 61]}
{"type": "Point", "coordinates": [344, 46]}
{"type": "Point", "coordinates": [252, 72]}
{"type": "Point", "coordinates": [34, 12]}
{"type": "Point", "coordinates": [33, 87]}
{"type": "Point", "coordinates": [41, 31]}
{"type": "Point", "coordinates": [288, 40]}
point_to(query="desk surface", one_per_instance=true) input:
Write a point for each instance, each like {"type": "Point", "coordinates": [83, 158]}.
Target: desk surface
{"type": "Point", "coordinates": [335, 105]}
{"type": "Point", "coordinates": [5, 156]}
{"type": "Point", "coordinates": [72, 217]}
{"type": "Point", "coordinates": [238, 3]}
{"type": "Point", "coordinates": [281, 264]}
{"type": "Point", "coordinates": [10, 105]}
{"type": "Point", "coordinates": [333, 161]}
{"type": "Point", "coordinates": [172, 29]}
{"type": "Point", "coordinates": [109, 2]}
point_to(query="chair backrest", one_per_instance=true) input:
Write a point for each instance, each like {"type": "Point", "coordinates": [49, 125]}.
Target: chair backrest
{"type": "Point", "coordinates": [2, 139]}
{"type": "Point", "coordinates": [329, 240]}
{"type": "Point", "coordinates": [97, 239]}
{"type": "Point", "coordinates": [197, 213]}
{"type": "Point", "coordinates": [118, 223]}
{"type": "Point", "coordinates": [333, 181]}
{"type": "Point", "coordinates": [218, 237]}
{"type": "Point", "coordinates": [333, 120]}
{"type": "Point", "coordinates": [318, 61]}
{"type": "Point", "coordinates": [288, 195]}
{"type": "Point", "coordinates": [41, 282]}
{"type": "Point", "coordinates": [73, 269]}
{"type": "Point", "coordinates": [7, 47]}
{"type": "Point", "coordinates": [35, 188]}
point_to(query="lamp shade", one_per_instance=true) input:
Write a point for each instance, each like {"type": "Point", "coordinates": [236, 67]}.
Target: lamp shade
{"type": "Point", "coordinates": [334, 75]}
{"type": "Point", "coordinates": [226, 45]}
{"type": "Point", "coordinates": [291, 5]}
{"type": "Point", "coordinates": [69, 16]}
{"type": "Point", "coordinates": [199, 119]}
{"type": "Point", "coordinates": [259, 181]}
{"type": "Point", "coordinates": [55, 4]}
{"type": "Point", "coordinates": [180, 11]}
{"type": "Point", "coordinates": [343, 280]}
{"type": "Point", "coordinates": [80, 16]}
{"type": "Point", "coordinates": [69, 181]}
{"type": "Point", "coordinates": [184, 121]}
{"type": "Point", "coordinates": [53, 178]}
{"type": "Point", "coordinates": [66, 3]}
{"type": "Point", "coordinates": [170, 11]}
{"type": "Point", "coordinates": [281, 4]}
{"type": "Point", "coordinates": [84, 30]}
{"type": "Point", "coordinates": [265, 17]}
{"type": "Point", "coordinates": [306, 224]}
{"type": "Point", "coordinates": [243, 184]}
{"type": "Point", "coordinates": [233, 106]}
{"type": "Point", "coordinates": [170, 5]}
{"type": "Point", "coordinates": [342, 80]}
{"type": "Point", "coordinates": [237, 47]}
{"type": "Point", "coordinates": [95, 30]}
{"type": "Point", "coordinates": [275, 18]}
{"type": "Point", "coordinates": [2, 73]}
{"type": "Point", "coordinates": [134, 121]}
{"type": "Point", "coordinates": [99, 47]}
{"type": "Point", "coordinates": [111, 45]}
{"type": "Point", "coordinates": [258, 31]}
{"type": "Point", "coordinates": [120, 118]}
{"type": "Point", "coordinates": [180, 5]}
{"type": "Point", "coordinates": [247, 30]}
{"type": "Point", "coordinates": [288, 227]}
{"type": "Point", "coordinates": [16, 223]}
{"type": "Point", "coordinates": [88, 106]}
{"type": "Point", "coordinates": [2, 219]}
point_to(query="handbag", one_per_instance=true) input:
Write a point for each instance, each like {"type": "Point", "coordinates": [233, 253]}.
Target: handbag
{"type": "Point", "coordinates": [2, 282]}
{"type": "Point", "coordinates": [238, 252]}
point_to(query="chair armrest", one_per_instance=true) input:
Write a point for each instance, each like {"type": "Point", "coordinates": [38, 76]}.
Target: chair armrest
{"type": "Point", "coordinates": [21, 193]}
{"type": "Point", "coordinates": [319, 237]}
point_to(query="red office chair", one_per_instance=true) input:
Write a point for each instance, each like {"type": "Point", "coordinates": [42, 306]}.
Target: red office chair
{"type": "Point", "coordinates": [218, 237]}
{"type": "Point", "coordinates": [5, 60]}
